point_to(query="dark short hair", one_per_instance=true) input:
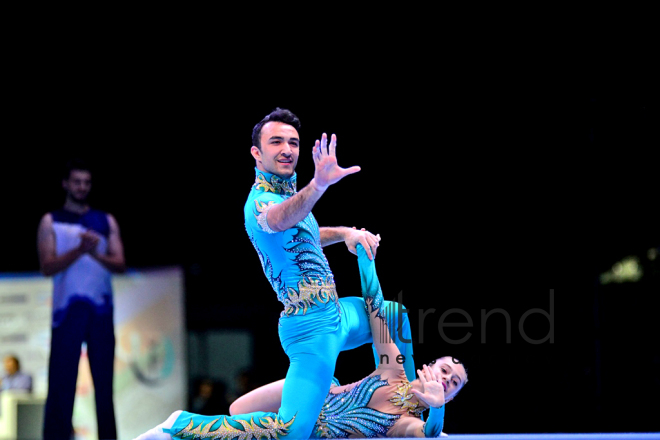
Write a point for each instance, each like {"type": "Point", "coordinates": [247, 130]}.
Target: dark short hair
{"type": "Point", "coordinates": [278, 115]}
{"type": "Point", "coordinates": [76, 163]}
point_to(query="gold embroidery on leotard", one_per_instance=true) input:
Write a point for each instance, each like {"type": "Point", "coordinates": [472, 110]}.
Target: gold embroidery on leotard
{"type": "Point", "coordinates": [309, 292]}
{"type": "Point", "coordinates": [276, 185]}
{"type": "Point", "coordinates": [262, 218]}
{"type": "Point", "coordinates": [402, 398]}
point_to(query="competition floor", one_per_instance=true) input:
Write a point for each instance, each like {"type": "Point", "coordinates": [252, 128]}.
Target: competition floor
{"type": "Point", "coordinates": [602, 436]}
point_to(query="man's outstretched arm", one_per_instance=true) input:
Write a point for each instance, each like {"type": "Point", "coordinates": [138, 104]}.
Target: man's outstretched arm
{"type": "Point", "coordinates": [285, 215]}
{"type": "Point", "coordinates": [114, 259]}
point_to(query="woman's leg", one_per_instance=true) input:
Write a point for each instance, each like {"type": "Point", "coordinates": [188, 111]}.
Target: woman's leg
{"type": "Point", "coordinates": [355, 321]}
{"type": "Point", "coordinates": [401, 335]}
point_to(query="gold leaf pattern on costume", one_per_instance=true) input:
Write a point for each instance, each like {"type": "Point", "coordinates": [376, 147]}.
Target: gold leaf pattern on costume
{"type": "Point", "coordinates": [276, 185]}
{"type": "Point", "coordinates": [402, 398]}
{"type": "Point", "coordinates": [263, 209]}
{"type": "Point", "coordinates": [309, 291]}
{"type": "Point", "coordinates": [270, 429]}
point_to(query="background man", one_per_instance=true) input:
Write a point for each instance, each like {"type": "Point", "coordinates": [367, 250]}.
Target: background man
{"type": "Point", "coordinates": [14, 379]}
{"type": "Point", "coordinates": [80, 247]}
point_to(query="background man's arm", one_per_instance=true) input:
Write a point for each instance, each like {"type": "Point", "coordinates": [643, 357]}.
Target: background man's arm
{"type": "Point", "coordinates": [49, 262]}
{"type": "Point", "coordinates": [113, 260]}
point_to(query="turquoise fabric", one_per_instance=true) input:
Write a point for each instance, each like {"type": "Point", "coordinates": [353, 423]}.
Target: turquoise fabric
{"type": "Point", "coordinates": [433, 426]}
{"type": "Point", "coordinates": [348, 412]}
{"type": "Point", "coordinates": [314, 327]}
{"type": "Point", "coordinates": [312, 346]}
{"type": "Point", "coordinates": [312, 343]}
{"type": "Point", "coordinates": [292, 260]}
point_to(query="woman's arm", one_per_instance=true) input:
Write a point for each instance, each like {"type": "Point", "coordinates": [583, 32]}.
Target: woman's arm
{"type": "Point", "coordinates": [412, 427]}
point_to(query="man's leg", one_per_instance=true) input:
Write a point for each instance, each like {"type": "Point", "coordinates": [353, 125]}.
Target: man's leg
{"type": "Point", "coordinates": [307, 383]}
{"type": "Point", "coordinates": [101, 354]}
{"type": "Point", "coordinates": [65, 345]}
{"type": "Point", "coordinates": [312, 361]}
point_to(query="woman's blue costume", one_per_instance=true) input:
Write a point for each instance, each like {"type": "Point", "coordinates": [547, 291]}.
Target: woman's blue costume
{"type": "Point", "coordinates": [314, 326]}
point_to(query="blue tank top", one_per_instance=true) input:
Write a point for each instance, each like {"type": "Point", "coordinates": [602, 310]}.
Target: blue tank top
{"type": "Point", "coordinates": [85, 279]}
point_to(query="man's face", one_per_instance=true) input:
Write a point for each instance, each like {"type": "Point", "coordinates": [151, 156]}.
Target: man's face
{"type": "Point", "coordinates": [452, 376]}
{"type": "Point", "coordinates": [10, 366]}
{"type": "Point", "coordinates": [78, 185]}
{"type": "Point", "coordinates": [280, 146]}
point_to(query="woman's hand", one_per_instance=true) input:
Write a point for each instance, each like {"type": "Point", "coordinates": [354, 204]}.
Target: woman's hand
{"type": "Point", "coordinates": [433, 393]}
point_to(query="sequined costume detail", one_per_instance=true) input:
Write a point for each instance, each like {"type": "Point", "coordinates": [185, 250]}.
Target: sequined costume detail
{"type": "Point", "coordinates": [268, 428]}
{"type": "Point", "coordinates": [402, 398]}
{"type": "Point", "coordinates": [371, 291]}
{"type": "Point", "coordinates": [276, 185]}
{"type": "Point", "coordinates": [377, 304]}
{"type": "Point", "coordinates": [262, 217]}
{"type": "Point", "coordinates": [308, 292]}
{"type": "Point", "coordinates": [312, 342]}
{"type": "Point", "coordinates": [347, 413]}
{"type": "Point", "coordinates": [292, 260]}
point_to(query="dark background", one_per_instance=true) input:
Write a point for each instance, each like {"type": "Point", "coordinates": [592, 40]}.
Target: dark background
{"type": "Point", "coordinates": [490, 185]}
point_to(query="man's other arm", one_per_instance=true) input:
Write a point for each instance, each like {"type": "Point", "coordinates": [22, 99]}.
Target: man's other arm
{"type": "Point", "coordinates": [113, 260]}
{"type": "Point", "coordinates": [49, 262]}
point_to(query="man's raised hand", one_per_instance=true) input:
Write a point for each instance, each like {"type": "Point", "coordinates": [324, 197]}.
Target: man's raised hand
{"type": "Point", "coordinates": [325, 160]}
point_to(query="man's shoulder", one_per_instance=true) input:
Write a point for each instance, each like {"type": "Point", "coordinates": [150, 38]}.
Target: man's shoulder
{"type": "Point", "coordinates": [46, 218]}
{"type": "Point", "coordinates": [94, 211]}
{"type": "Point", "coordinates": [61, 215]}
{"type": "Point", "coordinates": [95, 219]}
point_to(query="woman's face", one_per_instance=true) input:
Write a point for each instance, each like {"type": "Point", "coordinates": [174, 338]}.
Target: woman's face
{"type": "Point", "coordinates": [452, 375]}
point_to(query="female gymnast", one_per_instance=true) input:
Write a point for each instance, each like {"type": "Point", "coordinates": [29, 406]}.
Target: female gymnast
{"type": "Point", "coordinates": [384, 404]}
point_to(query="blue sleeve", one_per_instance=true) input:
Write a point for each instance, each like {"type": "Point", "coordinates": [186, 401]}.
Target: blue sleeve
{"type": "Point", "coordinates": [369, 281]}
{"type": "Point", "coordinates": [433, 426]}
